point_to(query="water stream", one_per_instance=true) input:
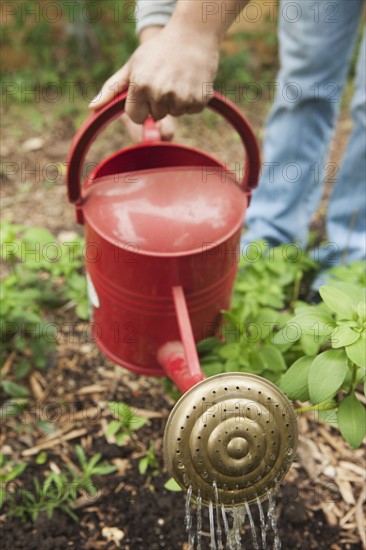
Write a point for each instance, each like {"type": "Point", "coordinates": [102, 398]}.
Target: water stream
{"type": "Point", "coordinates": [228, 528]}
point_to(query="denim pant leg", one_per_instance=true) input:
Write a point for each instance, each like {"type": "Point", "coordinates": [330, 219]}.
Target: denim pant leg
{"type": "Point", "coordinates": [346, 219]}
{"type": "Point", "coordinates": [316, 45]}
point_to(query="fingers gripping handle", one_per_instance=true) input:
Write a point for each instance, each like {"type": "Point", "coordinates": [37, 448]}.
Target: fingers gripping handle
{"type": "Point", "coordinates": [93, 125]}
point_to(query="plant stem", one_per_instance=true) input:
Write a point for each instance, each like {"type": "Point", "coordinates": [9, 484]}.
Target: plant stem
{"type": "Point", "coordinates": [319, 407]}
{"type": "Point", "coordinates": [296, 291]}
{"type": "Point", "coordinates": [353, 368]}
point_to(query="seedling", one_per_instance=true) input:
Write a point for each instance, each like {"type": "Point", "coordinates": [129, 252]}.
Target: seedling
{"type": "Point", "coordinates": [9, 471]}
{"type": "Point", "coordinates": [89, 469]}
{"type": "Point", "coordinates": [59, 490]}
{"type": "Point", "coordinates": [172, 485]}
{"type": "Point", "coordinates": [128, 422]}
{"type": "Point", "coordinates": [149, 461]}
{"type": "Point", "coordinates": [56, 492]}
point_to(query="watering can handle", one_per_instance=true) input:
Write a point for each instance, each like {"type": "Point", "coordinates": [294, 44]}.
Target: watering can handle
{"type": "Point", "coordinates": [95, 123]}
{"type": "Point", "coordinates": [150, 131]}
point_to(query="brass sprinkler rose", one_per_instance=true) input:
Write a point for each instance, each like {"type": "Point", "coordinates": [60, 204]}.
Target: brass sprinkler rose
{"type": "Point", "coordinates": [235, 430]}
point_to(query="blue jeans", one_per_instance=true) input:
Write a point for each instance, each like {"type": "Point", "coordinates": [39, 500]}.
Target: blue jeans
{"type": "Point", "coordinates": [317, 41]}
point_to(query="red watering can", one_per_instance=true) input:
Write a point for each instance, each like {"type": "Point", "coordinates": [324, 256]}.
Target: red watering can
{"type": "Point", "coordinates": [163, 222]}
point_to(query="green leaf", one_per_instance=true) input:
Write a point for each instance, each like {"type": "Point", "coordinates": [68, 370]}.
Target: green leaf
{"type": "Point", "coordinates": [256, 364]}
{"type": "Point", "coordinates": [94, 460]}
{"type": "Point", "coordinates": [172, 485]}
{"type": "Point", "coordinates": [272, 358]}
{"type": "Point", "coordinates": [81, 455]}
{"type": "Point", "coordinates": [38, 235]}
{"type": "Point", "coordinates": [112, 428]}
{"type": "Point", "coordinates": [137, 422]}
{"type": "Point", "coordinates": [143, 464]}
{"type": "Point", "coordinates": [22, 368]}
{"type": "Point", "coordinates": [356, 293]}
{"type": "Point", "coordinates": [329, 416]}
{"type": "Point", "coordinates": [338, 301]}
{"type": "Point", "coordinates": [352, 420]}
{"type": "Point", "coordinates": [310, 345]}
{"type": "Point", "coordinates": [121, 437]}
{"type": "Point", "coordinates": [104, 469]}
{"type": "Point", "coordinates": [326, 374]}
{"type": "Point", "coordinates": [357, 352]}
{"type": "Point", "coordinates": [361, 311]}
{"type": "Point", "coordinates": [314, 324]}
{"type": "Point", "coordinates": [229, 351]}
{"type": "Point", "coordinates": [294, 383]}
{"type": "Point", "coordinates": [16, 471]}
{"type": "Point", "coordinates": [41, 458]}
{"type": "Point", "coordinates": [343, 336]}
{"type": "Point", "coordinates": [290, 333]}
{"type": "Point", "coordinates": [207, 345]}
{"type": "Point", "coordinates": [13, 389]}
{"type": "Point", "coordinates": [213, 368]}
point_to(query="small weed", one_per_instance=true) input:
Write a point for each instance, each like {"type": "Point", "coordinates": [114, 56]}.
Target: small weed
{"type": "Point", "coordinates": [149, 461]}
{"type": "Point", "coordinates": [125, 425]}
{"type": "Point", "coordinates": [9, 471]}
{"type": "Point", "coordinates": [58, 491]}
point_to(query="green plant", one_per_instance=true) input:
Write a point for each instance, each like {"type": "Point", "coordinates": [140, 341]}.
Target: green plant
{"type": "Point", "coordinates": [126, 423]}
{"type": "Point", "coordinates": [148, 461]}
{"type": "Point", "coordinates": [314, 353]}
{"type": "Point", "coordinates": [41, 275]}
{"type": "Point", "coordinates": [354, 273]}
{"type": "Point", "coordinates": [89, 48]}
{"type": "Point", "coordinates": [329, 379]}
{"type": "Point", "coordinates": [55, 493]}
{"type": "Point", "coordinates": [89, 469]}
{"type": "Point", "coordinates": [9, 471]}
{"type": "Point", "coordinates": [172, 485]}
{"type": "Point", "coordinates": [267, 287]}
{"type": "Point", "coordinates": [58, 491]}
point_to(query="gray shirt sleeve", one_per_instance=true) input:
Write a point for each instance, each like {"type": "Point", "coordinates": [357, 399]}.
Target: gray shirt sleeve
{"type": "Point", "coordinates": [153, 12]}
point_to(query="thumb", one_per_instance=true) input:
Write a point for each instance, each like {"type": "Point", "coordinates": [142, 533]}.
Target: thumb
{"type": "Point", "coordinates": [116, 84]}
{"type": "Point", "coordinates": [166, 128]}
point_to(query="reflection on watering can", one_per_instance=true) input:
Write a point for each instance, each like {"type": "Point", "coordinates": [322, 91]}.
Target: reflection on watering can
{"type": "Point", "coordinates": [166, 221]}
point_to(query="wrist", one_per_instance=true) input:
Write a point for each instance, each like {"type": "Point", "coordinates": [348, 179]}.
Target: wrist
{"type": "Point", "coordinates": [192, 25]}
{"type": "Point", "coordinates": [149, 32]}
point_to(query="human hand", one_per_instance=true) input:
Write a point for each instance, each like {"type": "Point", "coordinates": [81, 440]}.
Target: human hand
{"type": "Point", "coordinates": [168, 74]}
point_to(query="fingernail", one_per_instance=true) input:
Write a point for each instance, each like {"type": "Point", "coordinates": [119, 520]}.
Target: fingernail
{"type": "Point", "coordinates": [92, 103]}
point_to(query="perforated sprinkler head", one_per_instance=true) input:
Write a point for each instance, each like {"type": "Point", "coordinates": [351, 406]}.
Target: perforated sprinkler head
{"type": "Point", "coordinates": [236, 431]}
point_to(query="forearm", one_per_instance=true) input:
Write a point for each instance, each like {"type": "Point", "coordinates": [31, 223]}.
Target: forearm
{"type": "Point", "coordinates": [202, 16]}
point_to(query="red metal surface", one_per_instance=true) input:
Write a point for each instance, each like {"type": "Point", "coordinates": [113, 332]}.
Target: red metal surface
{"type": "Point", "coordinates": [159, 216]}
{"type": "Point", "coordinates": [185, 330]}
{"type": "Point", "coordinates": [165, 212]}
{"type": "Point", "coordinates": [174, 362]}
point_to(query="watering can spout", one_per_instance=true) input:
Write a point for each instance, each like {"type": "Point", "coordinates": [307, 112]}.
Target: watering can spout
{"type": "Point", "coordinates": [179, 359]}
{"type": "Point", "coordinates": [172, 357]}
